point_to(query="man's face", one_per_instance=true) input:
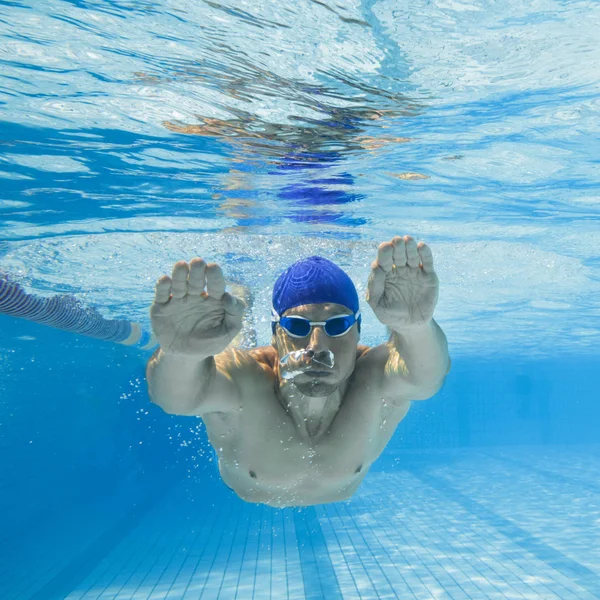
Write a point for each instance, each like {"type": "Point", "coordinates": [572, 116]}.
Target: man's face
{"type": "Point", "coordinates": [320, 380]}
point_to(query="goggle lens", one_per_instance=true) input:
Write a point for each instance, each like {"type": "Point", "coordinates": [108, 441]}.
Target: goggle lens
{"type": "Point", "coordinates": [334, 327]}
{"type": "Point", "coordinates": [295, 326]}
{"type": "Point", "coordinates": [338, 325]}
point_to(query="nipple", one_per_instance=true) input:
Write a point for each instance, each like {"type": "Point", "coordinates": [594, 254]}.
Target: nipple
{"type": "Point", "coordinates": [299, 361]}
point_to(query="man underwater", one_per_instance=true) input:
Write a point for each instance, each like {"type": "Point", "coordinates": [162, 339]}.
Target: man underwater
{"type": "Point", "coordinates": [299, 422]}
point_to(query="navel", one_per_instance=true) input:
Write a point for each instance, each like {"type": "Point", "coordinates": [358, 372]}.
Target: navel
{"type": "Point", "coordinates": [252, 474]}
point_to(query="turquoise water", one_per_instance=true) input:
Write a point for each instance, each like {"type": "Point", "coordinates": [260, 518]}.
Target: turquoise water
{"type": "Point", "coordinates": [137, 133]}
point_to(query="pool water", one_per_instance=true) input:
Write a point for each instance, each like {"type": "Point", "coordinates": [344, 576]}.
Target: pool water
{"type": "Point", "coordinates": [135, 133]}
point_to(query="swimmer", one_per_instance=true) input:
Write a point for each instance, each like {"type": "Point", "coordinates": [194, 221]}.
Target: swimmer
{"type": "Point", "coordinates": [301, 421]}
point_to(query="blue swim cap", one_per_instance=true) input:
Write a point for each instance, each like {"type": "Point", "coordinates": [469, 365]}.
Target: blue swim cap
{"type": "Point", "coordinates": [313, 280]}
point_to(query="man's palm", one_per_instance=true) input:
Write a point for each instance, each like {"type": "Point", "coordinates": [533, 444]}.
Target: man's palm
{"type": "Point", "coordinates": [192, 314]}
{"type": "Point", "coordinates": [403, 286]}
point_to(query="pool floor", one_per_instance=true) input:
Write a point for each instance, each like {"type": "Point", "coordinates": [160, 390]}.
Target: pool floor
{"type": "Point", "coordinates": [514, 522]}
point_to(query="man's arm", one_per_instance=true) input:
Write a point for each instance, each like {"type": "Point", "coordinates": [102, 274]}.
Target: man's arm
{"type": "Point", "coordinates": [419, 357]}
{"type": "Point", "coordinates": [403, 291]}
{"type": "Point", "coordinates": [194, 319]}
{"type": "Point", "coordinates": [410, 365]}
{"type": "Point", "coordinates": [189, 385]}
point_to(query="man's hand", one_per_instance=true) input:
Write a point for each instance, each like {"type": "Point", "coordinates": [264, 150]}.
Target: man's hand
{"type": "Point", "coordinates": [192, 314]}
{"type": "Point", "coordinates": [403, 287]}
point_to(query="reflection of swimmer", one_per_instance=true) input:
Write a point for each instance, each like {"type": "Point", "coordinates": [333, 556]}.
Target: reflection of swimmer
{"type": "Point", "coordinates": [306, 145]}
{"type": "Point", "coordinates": [301, 421]}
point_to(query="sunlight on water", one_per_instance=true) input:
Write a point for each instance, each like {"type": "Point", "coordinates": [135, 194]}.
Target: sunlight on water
{"type": "Point", "coordinates": [134, 134]}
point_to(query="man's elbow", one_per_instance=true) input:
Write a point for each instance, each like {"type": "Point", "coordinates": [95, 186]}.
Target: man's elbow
{"type": "Point", "coordinates": [426, 391]}
{"type": "Point", "coordinates": [176, 411]}
{"type": "Point", "coordinates": [178, 408]}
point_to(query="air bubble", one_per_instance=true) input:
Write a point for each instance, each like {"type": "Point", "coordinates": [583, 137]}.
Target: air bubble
{"type": "Point", "coordinates": [299, 361]}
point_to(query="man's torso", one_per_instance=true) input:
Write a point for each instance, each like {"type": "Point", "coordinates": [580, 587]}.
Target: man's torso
{"type": "Point", "coordinates": [266, 458]}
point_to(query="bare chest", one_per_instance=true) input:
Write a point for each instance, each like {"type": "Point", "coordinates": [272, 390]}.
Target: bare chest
{"type": "Point", "coordinates": [266, 457]}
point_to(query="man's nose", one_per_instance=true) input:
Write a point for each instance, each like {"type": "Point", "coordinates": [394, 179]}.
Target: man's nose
{"type": "Point", "coordinates": [318, 341]}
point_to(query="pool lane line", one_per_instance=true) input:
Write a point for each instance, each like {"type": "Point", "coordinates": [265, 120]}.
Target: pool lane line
{"type": "Point", "coordinates": [318, 574]}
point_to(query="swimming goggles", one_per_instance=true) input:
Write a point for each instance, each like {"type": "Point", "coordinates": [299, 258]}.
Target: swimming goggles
{"type": "Point", "coordinates": [299, 327]}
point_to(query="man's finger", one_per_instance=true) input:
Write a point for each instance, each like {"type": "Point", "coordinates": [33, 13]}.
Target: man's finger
{"type": "Point", "coordinates": [385, 256]}
{"type": "Point", "coordinates": [426, 257]}
{"type": "Point", "coordinates": [376, 284]}
{"type": "Point", "coordinates": [399, 251]}
{"type": "Point", "coordinates": [179, 277]}
{"type": "Point", "coordinates": [215, 282]}
{"type": "Point", "coordinates": [197, 277]}
{"type": "Point", "coordinates": [162, 291]}
{"type": "Point", "coordinates": [412, 254]}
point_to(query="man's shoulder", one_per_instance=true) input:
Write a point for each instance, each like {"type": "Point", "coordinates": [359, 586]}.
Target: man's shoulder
{"type": "Point", "coordinates": [361, 349]}
{"type": "Point", "coordinates": [372, 355]}
{"type": "Point", "coordinates": [370, 364]}
{"type": "Point", "coordinates": [240, 361]}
